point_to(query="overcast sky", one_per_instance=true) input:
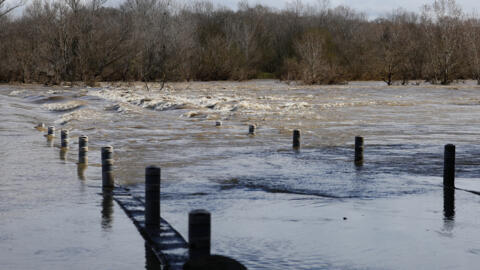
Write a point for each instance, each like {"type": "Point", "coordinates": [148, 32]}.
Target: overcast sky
{"type": "Point", "coordinates": [372, 7]}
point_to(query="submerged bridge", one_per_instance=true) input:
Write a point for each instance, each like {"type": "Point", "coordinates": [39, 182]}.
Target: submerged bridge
{"type": "Point", "coordinates": [167, 244]}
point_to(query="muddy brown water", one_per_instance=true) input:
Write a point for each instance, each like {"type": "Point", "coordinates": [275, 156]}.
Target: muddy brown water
{"type": "Point", "coordinates": [272, 208]}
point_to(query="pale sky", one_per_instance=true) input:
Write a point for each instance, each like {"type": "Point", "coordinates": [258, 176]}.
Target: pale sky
{"type": "Point", "coordinates": [372, 8]}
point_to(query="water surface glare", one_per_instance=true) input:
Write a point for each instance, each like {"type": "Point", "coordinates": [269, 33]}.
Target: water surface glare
{"type": "Point", "coordinates": [272, 207]}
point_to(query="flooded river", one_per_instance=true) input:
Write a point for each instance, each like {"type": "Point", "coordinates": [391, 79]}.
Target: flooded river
{"type": "Point", "coordinates": [272, 207]}
{"type": "Point", "coordinates": [50, 218]}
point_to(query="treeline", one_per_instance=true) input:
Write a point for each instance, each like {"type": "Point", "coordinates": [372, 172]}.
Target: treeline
{"type": "Point", "coordinates": [164, 40]}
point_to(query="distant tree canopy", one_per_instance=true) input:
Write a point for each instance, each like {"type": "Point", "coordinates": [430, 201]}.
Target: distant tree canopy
{"type": "Point", "coordinates": [164, 40]}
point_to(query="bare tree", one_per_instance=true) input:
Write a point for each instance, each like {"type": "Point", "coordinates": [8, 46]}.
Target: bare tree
{"type": "Point", "coordinates": [441, 21]}
{"type": "Point", "coordinates": [158, 40]}
{"type": "Point", "coordinates": [315, 66]}
{"type": "Point", "coordinates": [398, 47]}
{"type": "Point", "coordinates": [390, 53]}
{"type": "Point", "coordinates": [472, 42]}
{"type": "Point", "coordinates": [6, 8]}
{"type": "Point", "coordinates": [247, 34]}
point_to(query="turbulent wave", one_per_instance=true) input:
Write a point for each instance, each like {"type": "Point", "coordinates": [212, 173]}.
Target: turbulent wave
{"type": "Point", "coordinates": [65, 106]}
{"type": "Point", "coordinates": [195, 114]}
{"type": "Point", "coordinates": [79, 115]}
{"type": "Point", "coordinates": [17, 93]}
{"type": "Point", "coordinates": [123, 107]}
{"type": "Point", "coordinates": [261, 101]}
{"type": "Point", "coordinates": [51, 99]}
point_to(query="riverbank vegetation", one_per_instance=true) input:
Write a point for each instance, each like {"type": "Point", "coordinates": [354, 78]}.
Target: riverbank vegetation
{"type": "Point", "coordinates": [167, 40]}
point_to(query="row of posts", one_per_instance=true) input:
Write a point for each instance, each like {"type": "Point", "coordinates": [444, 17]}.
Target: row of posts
{"type": "Point", "coordinates": [199, 232]}
{"type": "Point", "coordinates": [199, 224]}
{"type": "Point", "coordinates": [199, 221]}
{"type": "Point", "coordinates": [448, 166]}
{"type": "Point", "coordinates": [107, 155]}
{"type": "Point", "coordinates": [296, 143]}
{"type": "Point", "coordinates": [107, 151]}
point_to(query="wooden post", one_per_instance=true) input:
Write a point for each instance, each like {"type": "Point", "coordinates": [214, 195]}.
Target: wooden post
{"type": "Point", "coordinates": [51, 131]}
{"type": "Point", "coordinates": [251, 129]}
{"type": "Point", "coordinates": [449, 166]}
{"type": "Point", "coordinates": [64, 138]}
{"type": "Point", "coordinates": [50, 135]}
{"type": "Point", "coordinates": [358, 150]}
{"type": "Point", "coordinates": [199, 234]}
{"type": "Point", "coordinates": [448, 203]}
{"type": "Point", "coordinates": [152, 198]}
{"type": "Point", "coordinates": [296, 139]}
{"type": "Point", "coordinates": [107, 167]}
{"type": "Point", "coordinates": [83, 149]}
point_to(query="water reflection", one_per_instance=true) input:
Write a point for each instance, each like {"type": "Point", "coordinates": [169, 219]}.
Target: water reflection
{"type": "Point", "coordinates": [49, 141]}
{"type": "Point", "coordinates": [63, 154]}
{"type": "Point", "coordinates": [81, 171]}
{"type": "Point", "coordinates": [448, 208]}
{"type": "Point", "coordinates": [449, 203]}
{"type": "Point", "coordinates": [107, 211]}
{"type": "Point", "coordinates": [151, 261]}
{"type": "Point", "coordinates": [358, 164]}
